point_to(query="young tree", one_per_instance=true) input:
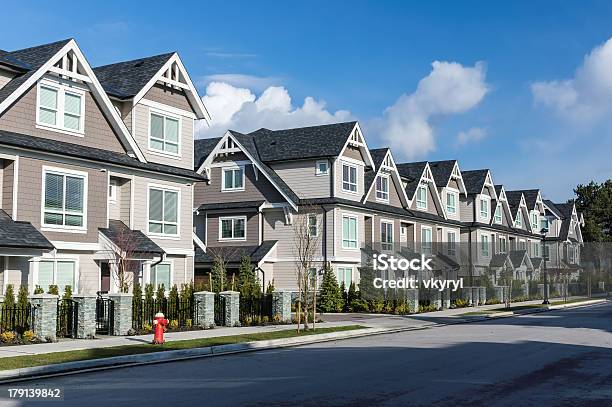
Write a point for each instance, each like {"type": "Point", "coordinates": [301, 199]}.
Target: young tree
{"type": "Point", "coordinates": [306, 247]}
{"type": "Point", "coordinates": [160, 294]}
{"type": "Point", "coordinates": [270, 288]}
{"type": "Point", "coordinates": [67, 292]}
{"type": "Point", "coordinates": [330, 298]}
{"type": "Point", "coordinates": [351, 296]}
{"type": "Point", "coordinates": [22, 297]}
{"type": "Point", "coordinates": [121, 252]}
{"type": "Point", "coordinates": [218, 275]}
{"type": "Point", "coordinates": [9, 302]}
{"type": "Point", "coordinates": [248, 284]}
{"type": "Point", "coordinates": [137, 296]}
{"type": "Point", "coordinates": [149, 290]}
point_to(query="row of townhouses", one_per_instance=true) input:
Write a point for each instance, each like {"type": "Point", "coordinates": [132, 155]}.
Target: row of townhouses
{"type": "Point", "coordinates": [98, 164]}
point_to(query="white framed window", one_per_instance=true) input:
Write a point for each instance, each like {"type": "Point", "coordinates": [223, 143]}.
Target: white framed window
{"type": "Point", "coordinates": [349, 177]}
{"type": "Point", "coordinates": [484, 208]}
{"type": "Point", "coordinates": [451, 243]}
{"type": "Point", "coordinates": [451, 202]}
{"type": "Point", "coordinates": [484, 245]}
{"type": "Point", "coordinates": [313, 226]}
{"type": "Point", "coordinates": [345, 275]}
{"type": "Point", "coordinates": [163, 211]}
{"type": "Point", "coordinates": [60, 107]}
{"type": "Point", "coordinates": [497, 217]}
{"type": "Point", "coordinates": [349, 232]}
{"type": "Point", "coordinates": [544, 223]}
{"type": "Point", "coordinates": [232, 179]}
{"type": "Point", "coordinates": [112, 190]}
{"type": "Point", "coordinates": [164, 133]}
{"type": "Point", "coordinates": [503, 248]}
{"type": "Point", "coordinates": [386, 234]}
{"type": "Point", "coordinates": [426, 240]}
{"type": "Point", "coordinates": [518, 222]}
{"type": "Point", "coordinates": [382, 188]}
{"type": "Point", "coordinates": [421, 198]}
{"type": "Point", "coordinates": [535, 249]}
{"type": "Point", "coordinates": [403, 231]}
{"type": "Point", "coordinates": [522, 245]}
{"type": "Point", "coordinates": [321, 167]}
{"type": "Point", "coordinates": [65, 199]}
{"type": "Point", "coordinates": [535, 222]}
{"type": "Point", "coordinates": [232, 228]}
{"type": "Point", "coordinates": [60, 272]}
{"type": "Point", "coordinates": [161, 275]}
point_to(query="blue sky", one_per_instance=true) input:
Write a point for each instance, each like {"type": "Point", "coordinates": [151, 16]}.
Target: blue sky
{"type": "Point", "coordinates": [529, 105]}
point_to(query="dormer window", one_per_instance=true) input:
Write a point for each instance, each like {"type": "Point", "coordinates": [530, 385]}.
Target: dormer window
{"type": "Point", "coordinates": [421, 199]}
{"type": "Point", "coordinates": [535, 222]}
{"type": "Point", "coordinates": [164, 134]}
{"type": "Point", "coordinates": [349, 178]}
{"type": "Point", "coordinates": [322, 167]}
{"type": "Point", "coordinates": [60, 107]}
{"type": "Point", "coordinates": [451, 202]}
{"type": "Point", "coordinates": [498, 215]}
{"type": "Point", "coordinates": [484, 208]}
{"type": "Point", "coordinates": [518, 222]}
{"type": "Point", "coordinates": [382, 188]}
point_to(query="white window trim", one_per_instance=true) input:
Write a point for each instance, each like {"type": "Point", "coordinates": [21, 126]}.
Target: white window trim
{"type": "Point", "coordinates": [348, 191]}
{"type": "Point", "coordinates": [318, 172]}
{"type": "Point", "coordinates": [178, 211]}
{"type": "Point", "coordinates": [454, 193]}
{"type": "Point", "coordinates": [64, 172]}
{"type": "Point", "coordinates": [165, 115]}
{"type": "Point", "coordinates": [487, 199]}
{"type": "Point", "coordinates": [424, 207]}
{"type": "Point", "coordinates": [309, 216]}
{"type": "Point", "coordinates": [150, 274]}
{"type": "Point", "coordinates": [505, 245]}
{"type": "Point", "coordinates": [497, 220]}
{"type": "Point", "coordinates": [392, 242]}
{"type": "Point", "coordinates": [451, 251]}
{"type": "Point", "coordinates": [376, 190]}
{"type": "Point", "coordinates": [430, 243]}
{"type": "Point", "coordinates": [59, 123]}
{"type": "Point", "coordinates": [356, 231]}
{"type": "Point", "coordinates": [518, 221]}
{"type": "Point", "coordinates": [484, 238]}
{"type": "Point", "coordinates": [537, 216]}
{"type": "Point", "coordinates": [232, 168]}
{"type": "Point", "coordinates": [232, 218]}
{"type": "Point", "coordinates": [345, 266]}
{"type": "Point", "coordinates": [58, 257]}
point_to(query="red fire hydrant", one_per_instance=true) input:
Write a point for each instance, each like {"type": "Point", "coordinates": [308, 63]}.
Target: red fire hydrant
{"type": "Point", "coordinates": [159, 327]}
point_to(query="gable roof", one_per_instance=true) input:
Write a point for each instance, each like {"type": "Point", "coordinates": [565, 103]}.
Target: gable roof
{"type": "Point", "coordinates": [412, 173]}
{"type": "Point", "coordinates": [21, 235]}
{"type": "Point", "coordinates": [442, 171]}
{"type": "Point", "coordinates": [514, 201]}
{"type": "Point", "coordinates": [518, 257]}
{"type": "Point", "coordinates": [474, 180]}
{"type": "Point", "coordinates": [202, 149]}
{"type": "Point", "coordinates": [233, 254]}
{"type": "Point", "coordinates": [379, 156]}
{"type": "Point", "coordinates": [327, 140]}
{"type": "Point", "coordinates": [553, 209]}
{"type": "Point", "coordinates": [531, 197]}
{"type": "Point", "coordinates": [125, 79]}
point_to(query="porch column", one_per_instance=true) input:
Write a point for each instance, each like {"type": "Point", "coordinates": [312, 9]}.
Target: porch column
{"type": "Point", "coordinates": [122, 313]}
{"type": "Point", "coordinates": [44, 322]}
{"type": "Point", "coordinates": [205, 306]}
{"type": "Point", "coordinates": [281, 306]}
{"type": "Point", "coordinates": [86, 315]}
{"type": "Point", "coordinates": [232, 307]}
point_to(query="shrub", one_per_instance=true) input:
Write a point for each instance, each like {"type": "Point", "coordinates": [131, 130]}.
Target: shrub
{"type": "Point", "coordinates": [147, 328]}
{"type": "Point", "coordinates": [330, 297]}
{"type": "Point", "coordinates": [160, 294]}
{"type": "Point", "coordinates": [22, 297]}
{"type": "Point", "coordinates": [427, 308]}
{"type": "Point", "coordinates": [29, 336]}
{"type": "Point", "coordinates": [277, 319]}
{"type": "Point", "coordinates": [378, 306]}
{"type": "Point", "coordinates": [492, 301]}
{"type": "Point", "coordinates": [67, 292]}
{"type": "Point", "coordinates": [173, 324]}
{"type": "Point", "coordinates": [248, 321]}
{"type": "Point", "coordinates": [149, 293]}
{"type": "Point", "coordinates": [39, 290]}
{"type": "Point", "coordinates": [360, 305]}
{"type": "Point", "coordinates": [265, 320]}
{"type": "Point", "coordinates": [270, 288]}
{"type": "Point", "coordinates": [8, 337]}
{"type": "Point", "coordinates": [460, 303]}
{"type": "Point", "coordinates": [53, 289]}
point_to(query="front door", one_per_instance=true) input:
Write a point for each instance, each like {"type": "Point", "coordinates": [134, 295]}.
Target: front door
{"type": "Point", "coordinates": [105, 277]}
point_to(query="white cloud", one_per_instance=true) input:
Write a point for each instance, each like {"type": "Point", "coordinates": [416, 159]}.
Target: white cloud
{"type": "Point", "coordinates": [240, 109]}
{"type": "Point", "coordinates": [472, 135]}
{"type": "Point", "coordinates": [588, 95]}
{"type": "Point", "coordinates": [256, 83]}
{"type": "Point", "coordinates": [450, 88]}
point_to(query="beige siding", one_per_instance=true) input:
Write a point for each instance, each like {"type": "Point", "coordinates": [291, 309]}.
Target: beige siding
{"type": "Point", "coordinates": [89, 273]}
{"type": "Point", "coordinates": [338, 176]}
{"type": "Point", "coordinates": [141, 119]}
{"type": "Point", "coordinates": [21, 118]}
{"type": "Point", "coordinates": [466, 208]}
{"type": "Point", "coordinates": [301, 177]}
{"type": "Point", "coordinates": [169, 96]}
{"type": "Point", "coordinates": [349, 254]}
{"type": "Point", "coordinates": [252, 229]}
{"type": "Point", "coordinates": [394, 197]}
{"type": "Point", "coordinates": [7, 186]}
{"type": "Point", "coordinates": [18, 269]}
{"type": "Point", "coordinates": [125, 197]}
{"type": "Point", "coordinates": [5, 77]}
{"type": "Point", "coordinates": [276, 229]}
{"type": "Point", "coordinates": [431, 206]}
{"type": "Point", "coordinates": [29, 198]}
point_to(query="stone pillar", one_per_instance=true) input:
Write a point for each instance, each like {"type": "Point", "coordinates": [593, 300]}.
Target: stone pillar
{"type": "Point", "coordinates": [412, 298]}
{"type": "Point", "coordinates": [482, 295]}
{"type": "Point", "coordinates": [281, 306]}
{"type": "Point", "coordinates": [232, 307]}
{"type": "Point", "coordinates": [86, 315]}
{"type": "Point", "coordinates": [475, 296]}
{"type": "Point", "coordinates": [122, 313]}
{"type": "Point", "coordinates": [466, 294]}
{"type": "Point", "coordinates": [498, 293]}
{"type": "Point", "coordinates": [205, 305]}
{"type": "Point", "coordinates": [436, 299]}
{"type": "Point", "coordinates": [446, 299]}
{"type": "Point", "coordinates": [45, 316]}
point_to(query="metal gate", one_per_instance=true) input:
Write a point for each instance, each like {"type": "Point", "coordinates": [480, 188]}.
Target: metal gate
{"type": "Point", "coordinates": [67, 318]}
{"type": "Point", "coordinates": [104, 316]}
{"type": "Point", "coordinates": [219, 310]}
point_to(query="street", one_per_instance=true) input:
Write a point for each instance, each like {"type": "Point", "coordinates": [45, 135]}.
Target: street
{"type": "Point", "coordinates": [554, 358]}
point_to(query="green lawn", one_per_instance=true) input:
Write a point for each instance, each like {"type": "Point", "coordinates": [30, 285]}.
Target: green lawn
{"type": "Point", "coordinates": [572, 301]}
{"type": "Point", "coordinates": [18, 362]}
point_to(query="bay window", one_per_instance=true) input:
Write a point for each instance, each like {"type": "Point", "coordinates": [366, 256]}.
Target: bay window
{"type": "Point", "coordinates": [163, 211]}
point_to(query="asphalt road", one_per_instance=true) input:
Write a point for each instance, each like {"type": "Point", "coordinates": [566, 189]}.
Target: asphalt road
{"type": "Point", "coordinates": [554, 358]}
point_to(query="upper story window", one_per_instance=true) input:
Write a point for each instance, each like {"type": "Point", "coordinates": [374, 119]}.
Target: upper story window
{"type": "Point", "coordinates": [232, 228]}
{"type": "Point", "coordinates": [322, 167]}
{"type": "Point", "coordinates": [535, 249]}
{"type": "Point", "coordinates": [349, 178]}
{"type": "Point", "coordinates": [313, 229]}
{"type": "Point", "coordinates": [349, 232]}
{"type": "Point", "coordinates": [452, 243]}
{"type": "Point", "coordinates": [164, 133]}
{"type": "Point", "coordinates": [535, 222]}
{"type": "Point", "coordinates": [382, 188]}
{"type": "Point", "coordinates": [451, 202]}
{"type": "Point", "coordinates": [502, 245]}
{"type": "Point", "coordinates": [60, 107]}
{"type": "Point", "coordinates": [497, 217]}
{"type": "Point", "coordinates": [544, 223]}
{"type": "Point", "coordinates": [426, 240]}
{"type": "Point", "coordinates": [484, 208]}
{"type": "Point", "coordinates": [65, 200]}
{"type": "Point", "coordinates": [163, 211]}
{"type": "Point", "coordinates": [386, 235]}
{"type": "Point", "coordinates": [484, 245]}
{"type": "Point", "coordinates": [421, 198]}
{"type": "Point", "coordinates": [233, 179]}
{"type": "Point", "coordinates": [519, 220]}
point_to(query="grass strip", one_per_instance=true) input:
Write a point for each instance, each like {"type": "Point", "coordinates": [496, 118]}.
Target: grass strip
{"type": "Point", "coordinates": [19, 362]}
{"type": "Point", "coordinates": [572, 301]}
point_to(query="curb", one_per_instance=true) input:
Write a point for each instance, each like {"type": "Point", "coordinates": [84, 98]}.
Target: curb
{"type": "Point", "coordinates": [61, 369]}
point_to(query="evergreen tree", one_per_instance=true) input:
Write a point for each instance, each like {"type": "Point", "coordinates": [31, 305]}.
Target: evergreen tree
{"type": "Point", "coordinates": [351, 296]}
{"type": "Point", "coordinates": [9, 297]}
{"type": "Point", "coordinates": [53, 289]}
{"type": "Point", "coordinates": [330, 297]}
{"type": "Point", "coordinates": [137, 296]}
{"type": "Point", "coordinates": [367, 290]}
{"type": "Point", "coordinates": [149, 293]}
{"type": "Point", "coordinates": [270, 288]}
{"type": "Point", "coordinates": [161, 293]}
{"type": "Point", "coordinates": [218, 276]}
{"type": "Point", "coordinates": [173, 296]}
{"type": "Point", "coordinates": [67, 292]}
{"type": "Point", "coordinates": [22, 297]}
{"type": "Point", "coordinates": [344, 297]}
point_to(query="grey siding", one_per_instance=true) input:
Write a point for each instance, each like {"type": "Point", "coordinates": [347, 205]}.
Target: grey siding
{"type": "Point", "coordinates": [301, 177]}
{"type": "Point", "coordinates": [466, 208]}
{"type": "Point", "coordinates": [338, 181]}
{"type": "Point", "coordinates": [169, 96]}
{"type": "Point", "coordinates": [21, 118]}
{"type": "Point", "coordinates": [7, 186]}
{"type": "Point", "coordinates": [125, 197]}
{"type": "Point", "coordinates": [431, 206]}
{"type": "Point", "coordinates": [394, 197]}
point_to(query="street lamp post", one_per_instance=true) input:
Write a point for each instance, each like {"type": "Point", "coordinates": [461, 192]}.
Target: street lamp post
{"type": "Point", "coordinates": [543, 232]}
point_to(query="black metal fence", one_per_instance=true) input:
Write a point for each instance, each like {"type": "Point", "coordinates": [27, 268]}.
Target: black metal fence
{"type": "Point", "coordinates": [104, 316]}
{"type": "Point", "coordinates": [255, 308]}
{"type": "Point", "coordinates": [219, 310]}
{"type": "Point", "coordinates": [179, 313]}
{"type": "Point", "coordinates": [67, 318]}
{"type": "Point", "coordinates": [16, 318]}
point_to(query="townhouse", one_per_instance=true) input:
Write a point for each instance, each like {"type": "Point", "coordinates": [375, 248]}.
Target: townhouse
{"type": "Point", "coordinates": [96, 167]}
